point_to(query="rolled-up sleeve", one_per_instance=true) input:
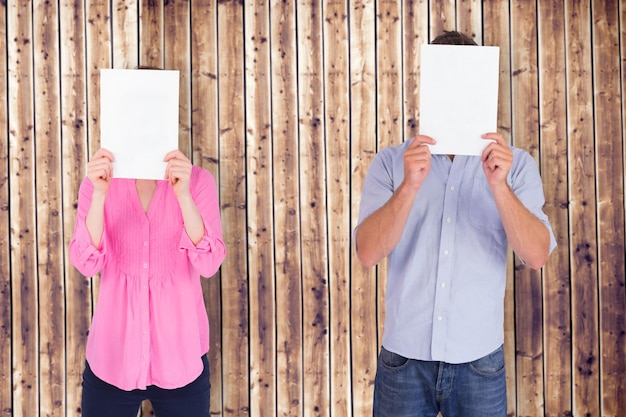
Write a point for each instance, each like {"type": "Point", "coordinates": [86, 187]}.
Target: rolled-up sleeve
{"type": "Point", "coordinates": [207, 256]}
{"type": "Point", "coordinates": [85, 257]}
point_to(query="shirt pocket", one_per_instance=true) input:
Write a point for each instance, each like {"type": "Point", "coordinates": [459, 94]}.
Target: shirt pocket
{"type": "Point", "coordinates": [482, 208]}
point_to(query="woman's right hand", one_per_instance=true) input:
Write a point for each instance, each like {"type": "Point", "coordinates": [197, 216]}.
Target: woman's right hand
{"type": "Point", "coordinates": [100, 170]}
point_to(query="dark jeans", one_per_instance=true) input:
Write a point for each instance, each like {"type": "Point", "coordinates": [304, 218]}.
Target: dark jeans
{"type": "Point", "coordinates": [101, 399]}
{"type": "Point", "coordinates": [411, 388]}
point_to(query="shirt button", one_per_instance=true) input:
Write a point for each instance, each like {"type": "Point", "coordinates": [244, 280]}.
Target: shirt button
{"type": "Point", "coordinates": [448, 219]}
{"type": "Point", "coordinates": [439, 318]}
{"type": "Point", "coordinates": [443, 285]}
{"type": "Point", "coordinates": [145, 333]}
{"type": "Point", "coordinates": [145, 265]}
{"type": "Point", "coordinates": [452, 188]}
{"type": "Point", "coordinates": [145, 243]}
{"type": "Point", "coordinates": [445, 252]}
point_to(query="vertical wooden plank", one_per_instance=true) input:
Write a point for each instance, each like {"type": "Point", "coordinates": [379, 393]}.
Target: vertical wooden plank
{"type": "Point", "coordinates": [337, 123]}
{"type": "Point", "coordinates": [442, 16]}
{"type": "Point", "coordinates": [313, 208]}
{"type": "Point", "coordinates": [528, 291]}
{"type": "Point", "coordinates": [289, 338]}
{"type": "Point", "coordinates": [582, 211]}
{"type": "Point", "coordinates": [49, 209]}
{"type": "Point", "coordinates": [610, 199]}
{"type": "Point", "coordinates": [622, 25]}
{"type": "Point", "coordinates": [125, 30]}
{"type": "Point", "coordinates": [98, 55]}
{"type": "Point", "coordinates": [415, 29]}
{"type": "Point", "coordinates": [151, 32]}
{"type": "Point", "coordinates": [260, 202]}
{"type": "Point", "coordinates": [205, 145]}
{"type": "Point", "coordinates": [496, 28]}
{"type": "Point", "coordinates": [233, 201]}
{"type": "Point", "coordinates": [556, 274]}
{"type": "Point", "coordinates": [6, 389]}
{"type": "Point", "coordinates": [469, 19]}
{"type": "Point", "coordinates": [22, 208]}
{"type": "Point", "coordinates": [177, 56]}
{"type": "Point", "coordinates": [363, 147]}
{"type": "Point", "coordinates": [389, 72]}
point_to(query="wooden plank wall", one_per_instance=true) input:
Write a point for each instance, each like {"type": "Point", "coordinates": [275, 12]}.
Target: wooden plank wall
{"type": "Point", "coordinates": [286, 102]}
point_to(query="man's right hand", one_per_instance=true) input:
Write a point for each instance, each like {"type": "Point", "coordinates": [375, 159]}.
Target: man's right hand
{"type": "Point", "coordinates": [417, 161]}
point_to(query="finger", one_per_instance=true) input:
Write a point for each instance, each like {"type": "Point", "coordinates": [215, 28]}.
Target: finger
{"type": "Point", "coordinates": [103, 153]}
{"type": "Point", "coordinates": [421, 140]}
{"type": "Point", "coordinates": [179, 163]}
{"type": "Point", "coordinates": [495, 136]}
{"type": "Point", "coordinates": [98, 168]}
{"type": "Point", "coordinates": [100, 173]}
{"type": "Point", "coordinates": [489, 150]}
{"type": "Point", "coordinates": [175, 154]}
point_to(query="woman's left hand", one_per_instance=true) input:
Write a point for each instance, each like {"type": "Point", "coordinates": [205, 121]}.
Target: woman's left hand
{"type": "Point", "coordinates": [178, 172]}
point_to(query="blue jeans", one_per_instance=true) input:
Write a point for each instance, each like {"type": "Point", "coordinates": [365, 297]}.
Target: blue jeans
{"type": "Point", "coordinates": [411, 388]}
{"type": "Point", "coordinates": [101, 399]}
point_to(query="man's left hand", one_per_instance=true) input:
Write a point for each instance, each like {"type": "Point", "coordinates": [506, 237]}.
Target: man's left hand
{"type": "Point", "coordinates": [497, 160]}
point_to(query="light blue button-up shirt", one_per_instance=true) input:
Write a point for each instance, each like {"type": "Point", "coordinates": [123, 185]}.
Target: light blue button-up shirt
{"type": "Point", "coordinates": [447, 275]}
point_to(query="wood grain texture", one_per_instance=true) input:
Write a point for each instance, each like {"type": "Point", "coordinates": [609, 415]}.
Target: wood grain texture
{"type": "Point", "coordinates": [177, 57]}
{"type": "Point", "coordinates": [528, 288]}
{"type": "Point", "coordinates": [75, 39]}
{"type": "Point", "coordinates": [6, 390]}
{"type": "Point", "coordinates": [610, 199]}
{"type": "Point", "coordinates": [205, 153]}
{"type": "Point", "coordinates": [337, 124]}
{"type": "Point", "coordinates": [442, 16]}
{"type": "Point", "coordinates": [49, 208]}
{"type": "Point", "coordinates": [415, 33]}
{"type": "Point", "coordinates": [151, 36]}
{"type": "Point", "coordinates": [124, 33]}
{"type": "Point", "coordinates": [287, 225]}
{"type": "Point", "coordinates": [470, 19]}
{"type": "Point", "coordinates": [583, 252]}
{"type": "Point", "coordinates": [363, 286]}
{"type": "Point", "coordinates": [232, 189]}
{"type": "Point", "coordinates": [260, 214]}
{"type": "Point", "coordinates": [313, 203]}
{"type": "Point", "coordinates": [286, 103]}
{"type": "Point", "coordinates": [553, 144]}
{"type": "Point", "coordinates": [24, 286]}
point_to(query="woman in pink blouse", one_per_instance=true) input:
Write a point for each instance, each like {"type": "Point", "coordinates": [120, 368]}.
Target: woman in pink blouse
{"type": "Point", "coordinates": [151, 241]}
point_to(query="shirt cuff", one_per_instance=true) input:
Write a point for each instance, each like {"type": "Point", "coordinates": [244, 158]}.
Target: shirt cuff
{"type": "Point", "coordinates": [205, 244]}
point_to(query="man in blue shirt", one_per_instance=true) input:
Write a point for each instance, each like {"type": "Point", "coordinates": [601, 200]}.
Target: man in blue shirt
{"type": "Point", "coordinates": [445, 222]}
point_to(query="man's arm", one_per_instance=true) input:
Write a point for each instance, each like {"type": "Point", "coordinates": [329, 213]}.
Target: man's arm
{"type": "Point", "coordinates": [527, 235]}
{"type": "Point", "coordinates": [379, 233]}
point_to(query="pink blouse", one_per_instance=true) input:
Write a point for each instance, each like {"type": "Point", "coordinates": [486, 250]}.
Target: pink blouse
{"type": "Point", "coordinates": [150, 326]}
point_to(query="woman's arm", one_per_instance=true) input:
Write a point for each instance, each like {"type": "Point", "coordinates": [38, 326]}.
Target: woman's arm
{"type": "Point", "coordinates": [201, 214]}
